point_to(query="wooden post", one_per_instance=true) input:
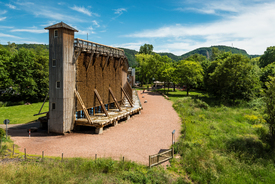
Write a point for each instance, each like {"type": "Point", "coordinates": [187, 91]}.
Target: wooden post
{"type": "Point", "coordinates": [0, 144]}
{"type": "Point", "coordinates": [62, 157]}
{"type": "Point", "coordinates": [172, 152]}
{"type": "Point", "coordinates": [123, 159]}
{"type": "Point", "coordinates": [13, 149]}
{"type": "Point", "coordinates": [25, 154]}
{"type": "Point", "coordinates": [149, 161]}
{"type": "Point", "coordinates": [42, 156]}
{"type": "Point", "coordinates": [95, 156]}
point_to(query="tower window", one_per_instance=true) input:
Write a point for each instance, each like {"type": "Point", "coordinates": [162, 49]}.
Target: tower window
{"type": "Point", "coordinates": [58, 84]}
{"type": "Point", "coordinates": [55, 33]}
{"type": "Point", "coordinates": [53, 63]}
{"type": "Point", "coordinates": [53, 106]}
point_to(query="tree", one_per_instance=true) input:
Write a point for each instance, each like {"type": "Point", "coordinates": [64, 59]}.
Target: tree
{"type": "Point", "coordinates": [267, 72]}
{"type": "Point", "coordinates": [189, 73]}
{"type": "Point", "coordinates": [233, 78]}
{"type": "Point", "coordinates": [270, 109]}
{"type": "Point", "coordinates": [268, 57]}
{"type": "Point", "coordinates": [146, 49]}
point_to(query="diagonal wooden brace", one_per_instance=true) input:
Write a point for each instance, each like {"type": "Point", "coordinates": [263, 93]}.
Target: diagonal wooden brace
{"type": "Point", "coordinates": [112, 94]}
{"type": "Point", "coordinates": [83, 106]}
{"type": "Point", "coordinates": [129, 100]}
{"type": "Point", "coordinates": [101, 103]}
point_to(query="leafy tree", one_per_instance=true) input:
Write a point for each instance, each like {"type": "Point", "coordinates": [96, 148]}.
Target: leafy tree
{"type": "Point", "coordinates": [5, 81]}
{"type": "Point", "coordinates": [268, 57]}
{"type": "Point", "coordinates": [146, 49]}
{"type": "Point", "coordinates": [270, 108]}
{"type": "Point", "coordinates": [190, 73]}
{"type": "Point", "coordinates": [267, 72]}
{"type": "Point", "coordinates": [233, 78]}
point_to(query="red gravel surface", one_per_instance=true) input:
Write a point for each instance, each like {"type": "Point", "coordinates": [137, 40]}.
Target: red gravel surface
{"type": "Point", "coordinates": [143, 135]}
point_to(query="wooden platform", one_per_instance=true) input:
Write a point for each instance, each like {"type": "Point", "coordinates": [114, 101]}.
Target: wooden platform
{"type": "Point", "coordinates": [99, 120]}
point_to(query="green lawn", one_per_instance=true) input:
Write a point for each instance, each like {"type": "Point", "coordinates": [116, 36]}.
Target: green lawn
{"type": "Point", "coordinates": [20, 114]}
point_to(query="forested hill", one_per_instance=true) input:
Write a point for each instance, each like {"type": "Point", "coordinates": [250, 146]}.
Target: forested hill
{"type": "Point", "coordinates": [207, 51]}
{"type": "Point", "coordinates": [130, 54]}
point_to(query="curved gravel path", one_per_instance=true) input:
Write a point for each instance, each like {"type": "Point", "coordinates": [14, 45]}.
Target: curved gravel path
{"type": "Point", "coordinates": [135, 139]}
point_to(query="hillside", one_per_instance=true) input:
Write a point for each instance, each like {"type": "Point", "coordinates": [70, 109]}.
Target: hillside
{"type": "Point", "coordinates": [130, 54]}
{"type": "Point", "coordinates": [207, 51]}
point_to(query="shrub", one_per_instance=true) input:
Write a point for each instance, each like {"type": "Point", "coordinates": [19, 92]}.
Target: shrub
{"type": "Point", "coordinates": [2, 133]}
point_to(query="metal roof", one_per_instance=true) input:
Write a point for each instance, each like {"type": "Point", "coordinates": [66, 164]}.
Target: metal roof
{"type": "Point", "coordinates": [61, 25]}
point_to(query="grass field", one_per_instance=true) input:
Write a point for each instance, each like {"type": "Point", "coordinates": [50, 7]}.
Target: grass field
{"type": "Point", "coordinates": [222, 144]}
{"type": "Point", "coordinates": [20, 114]}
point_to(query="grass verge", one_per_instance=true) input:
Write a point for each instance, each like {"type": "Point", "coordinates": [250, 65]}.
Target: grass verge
{"type": "Point", "coordinates": [21, 114]}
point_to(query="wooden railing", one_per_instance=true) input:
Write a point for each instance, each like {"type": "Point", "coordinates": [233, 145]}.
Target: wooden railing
{"type": "Point", "coordinates": [161, 157]}
{"type": "Point", "coordinates": [86, 45]}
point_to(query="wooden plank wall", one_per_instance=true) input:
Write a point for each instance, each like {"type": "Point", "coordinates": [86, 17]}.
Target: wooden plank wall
{"type": "Point", "coordinates": [101, 74]}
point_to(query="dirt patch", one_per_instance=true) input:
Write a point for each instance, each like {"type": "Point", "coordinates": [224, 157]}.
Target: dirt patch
{"type": "Point", "coordinates": [135, 139]}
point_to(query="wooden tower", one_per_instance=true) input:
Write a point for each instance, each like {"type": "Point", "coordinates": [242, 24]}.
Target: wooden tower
{"type": "Point", "coordinates": [62, 74]}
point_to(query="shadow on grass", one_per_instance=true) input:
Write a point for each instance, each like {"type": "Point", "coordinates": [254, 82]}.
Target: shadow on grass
{"type": "Point", "coordinates": [250, 148]}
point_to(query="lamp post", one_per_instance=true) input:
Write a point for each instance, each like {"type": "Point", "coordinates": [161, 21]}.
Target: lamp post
{"type": "Point", "coordinates": [6, 122]}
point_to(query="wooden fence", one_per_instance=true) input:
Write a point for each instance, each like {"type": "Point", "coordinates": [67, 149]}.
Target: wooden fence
{"type": "Point", "coordinates": [161, 157]}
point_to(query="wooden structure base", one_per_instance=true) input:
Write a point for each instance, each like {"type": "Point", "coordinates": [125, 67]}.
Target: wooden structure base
{"type": "Point", "coordinates": [100, 120]}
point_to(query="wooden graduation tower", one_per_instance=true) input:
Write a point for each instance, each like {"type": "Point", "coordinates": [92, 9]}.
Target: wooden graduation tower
{"type": "Point", "coordinates": [88, 83]}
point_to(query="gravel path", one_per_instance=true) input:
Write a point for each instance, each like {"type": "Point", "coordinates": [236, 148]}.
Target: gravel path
{"type": "Point", "coordinates": [143, 135]}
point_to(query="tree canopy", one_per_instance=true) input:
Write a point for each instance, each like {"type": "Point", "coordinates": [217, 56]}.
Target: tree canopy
{"type": "Point", "coordinates": [268, 57]}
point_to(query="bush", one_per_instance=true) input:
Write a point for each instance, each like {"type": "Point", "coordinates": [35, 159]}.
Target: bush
{"type": "Point", "coordinates": [2, 133]}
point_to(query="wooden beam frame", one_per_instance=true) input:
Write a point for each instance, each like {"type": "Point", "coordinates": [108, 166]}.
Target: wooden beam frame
{"type": "Point", "coordinates": [101, 103]}
{"type": "Point", "coordinates": [112, 94]}
{"type": "Point", "coordinates": [129, 100]}
{"type": "Point", "coordinates": [83, 106]}
{"type": "Point", "coordinates": [42, 106]}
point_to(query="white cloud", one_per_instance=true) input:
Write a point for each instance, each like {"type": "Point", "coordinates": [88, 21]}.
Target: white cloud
{"type": "Point", "coordinates": [83, 10]}
{"type": "Point", "coordinates": [2, 18]}
{"type": "Point", "coordinates": [3, 12]}
{"type": "Point", "coordinates": [95, 23]}
{"type": "Point", "coordinates": [8, 35]}
{"type": "Point", "coordinates": [30, 30]}
{"type": "Point", "coordinates": [120, 11]}
{"type": "Point", "coordinates": [11, 6]}
{"type": "Point", "coordinates": [133, 45]}
{"type": "Point", "coordinates": [252, 29]}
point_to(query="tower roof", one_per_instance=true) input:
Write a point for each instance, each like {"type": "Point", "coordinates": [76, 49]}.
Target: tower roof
{"type": "Point", "coordinates": [61, 25]}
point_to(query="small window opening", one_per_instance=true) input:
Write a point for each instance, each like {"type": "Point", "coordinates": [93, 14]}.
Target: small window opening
{"type": "Point", "coordinates": [53, 106]}
{"type": "Point", "coordinates": [55, 33]}
{"type": "Point", "coordinates": [58, 84]}
{"type": "Point", "coordinates": [53, 63]}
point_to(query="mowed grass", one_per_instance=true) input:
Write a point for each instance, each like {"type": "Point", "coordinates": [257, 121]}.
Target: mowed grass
{"type": "Point", "coordinates": [21, 114]}
{"type": "Point", "coordinates": [222, 144]}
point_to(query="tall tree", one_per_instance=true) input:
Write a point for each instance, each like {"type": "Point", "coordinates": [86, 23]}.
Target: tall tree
{"type": "Point", "coordinates": [268, 57]}
{"type": "Point", "coordinates": [146, 49]}
{"type": "Point", "coordinates": [190, 73]}
{"type": "Point", "coordinates": [270, 109]}
{"type": "Point", "coordinates": [234, 78]}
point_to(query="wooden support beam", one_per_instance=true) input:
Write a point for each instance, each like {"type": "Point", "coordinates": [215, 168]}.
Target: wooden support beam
{"type": "Point", "coordinates": [42, 106]}
{"type": "Point", "coordinates": [101, 103]}
{"type": "Point", "coordinates": [112, 94]}
{"type": "Point", "coordinates": [106, 62]}
{"type": "Point", "coordinates": [76, 55]}
{"type": "Point", "coordinates": [129, 100]}
{"type": "Point", "coordinates": [83, 107]}
{"type": "Point", "coordinates": [91, 58]}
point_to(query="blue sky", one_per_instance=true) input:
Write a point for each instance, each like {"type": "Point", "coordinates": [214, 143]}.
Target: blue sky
{"type": "Point", "coordinates": [175, 26]}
